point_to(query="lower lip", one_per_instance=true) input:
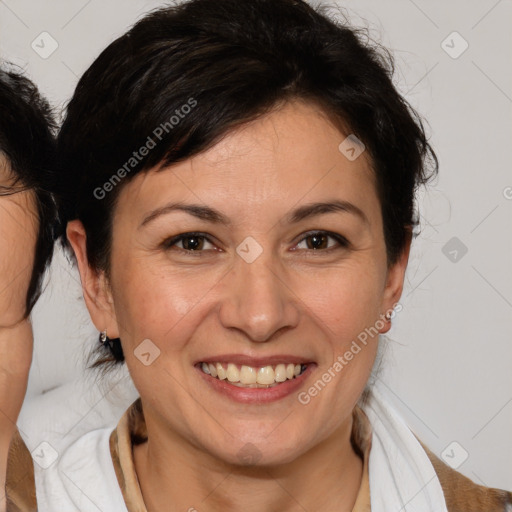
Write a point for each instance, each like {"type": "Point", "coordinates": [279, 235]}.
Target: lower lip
{"type": "Point", "coordinates": [257, 395]}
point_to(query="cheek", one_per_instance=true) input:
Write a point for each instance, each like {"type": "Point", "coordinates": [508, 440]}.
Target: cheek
{"type": "Point", "coordinates": [162, 304]}
{"type": "Point", "coordinates": [151, 303]}
{"type": "Point", "coordinates": [346, 306]}
{"type": "Point", "coordinates": [18, 232]}
{"type": "Point", "coordinates": [345, 300]}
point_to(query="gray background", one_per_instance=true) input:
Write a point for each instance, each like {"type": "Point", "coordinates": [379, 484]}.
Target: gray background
{"type": "Point", "coordinates": [448, 360]}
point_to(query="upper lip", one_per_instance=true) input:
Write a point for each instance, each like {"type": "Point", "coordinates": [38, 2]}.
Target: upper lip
{"type": "Point", "coordinates": [242, 359]}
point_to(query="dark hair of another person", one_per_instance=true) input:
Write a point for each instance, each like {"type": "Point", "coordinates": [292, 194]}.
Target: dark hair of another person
{"type": "Point", "coordinates": [28, 150]}
{"type": "Point", "coordinates": [204, 67]}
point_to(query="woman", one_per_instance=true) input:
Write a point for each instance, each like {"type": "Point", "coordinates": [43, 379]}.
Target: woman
{"type": "Point", "coordinates": [238, 180]}
{"type": "Point", "coordinates": [27, 213]}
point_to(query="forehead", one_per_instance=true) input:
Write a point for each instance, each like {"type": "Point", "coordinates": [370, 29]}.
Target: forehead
{"type": "Point", "coordinates": [288, 156]}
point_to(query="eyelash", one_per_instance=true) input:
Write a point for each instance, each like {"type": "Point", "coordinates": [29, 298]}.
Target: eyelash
{"type": "Point", "coordinates": [341, 240]}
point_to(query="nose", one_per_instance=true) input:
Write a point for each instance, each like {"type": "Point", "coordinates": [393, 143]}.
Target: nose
{"type": "Point", "coordinates": [258, 300]}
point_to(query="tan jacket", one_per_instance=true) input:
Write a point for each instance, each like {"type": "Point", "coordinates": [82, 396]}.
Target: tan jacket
{"type": "Point", "coordinates": [461, 494]}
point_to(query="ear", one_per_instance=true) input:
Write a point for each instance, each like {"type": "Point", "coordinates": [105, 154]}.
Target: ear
{"type": "Point", "coordinates": [95, 286]}
{"type": "Point", "coordinates": [395, 282]}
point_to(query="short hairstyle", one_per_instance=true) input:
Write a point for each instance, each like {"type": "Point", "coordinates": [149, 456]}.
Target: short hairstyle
{"type": "Point", "coordinates": [186, 75]}
{"type": "Point", "coordinates": [28, 149]}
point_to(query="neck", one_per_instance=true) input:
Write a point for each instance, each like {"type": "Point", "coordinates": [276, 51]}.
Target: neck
{"type": "Point", "coordinates": [326, 477]}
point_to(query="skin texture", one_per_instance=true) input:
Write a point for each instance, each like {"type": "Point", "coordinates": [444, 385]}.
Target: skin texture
{"type": "Point", "coordinates": [18, 231]}
{"type": "Point", "coordinates": [290, 300]}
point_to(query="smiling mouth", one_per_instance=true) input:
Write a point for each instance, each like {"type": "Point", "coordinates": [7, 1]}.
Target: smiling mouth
{"type": "Point", "coordinates": [253, 377]}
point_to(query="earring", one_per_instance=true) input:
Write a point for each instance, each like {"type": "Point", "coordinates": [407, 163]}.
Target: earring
{"type": "Point", "coordinates": [103, 337]}
{"type": "Point", "coordinates": [388, 316]}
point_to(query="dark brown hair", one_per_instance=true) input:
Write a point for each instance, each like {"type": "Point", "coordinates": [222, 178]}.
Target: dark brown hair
{"type": "Point", "coordinates": [28, 147]}
{"type": "Point", "coordinates": [234, 60]}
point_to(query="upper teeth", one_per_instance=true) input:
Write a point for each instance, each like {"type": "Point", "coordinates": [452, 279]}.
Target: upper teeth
{"type": "Point", "coordinates": [249, 375]}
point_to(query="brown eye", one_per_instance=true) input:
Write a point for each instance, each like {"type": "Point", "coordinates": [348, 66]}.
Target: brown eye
{"type": "Point", "coordinates": [317, 241]}
{"type": "Point", "coordinates": [192, 243]}
{"type": "Point", "coordinates": [189, 242]}
{"type": "Point", "coordinates": [322, 240]}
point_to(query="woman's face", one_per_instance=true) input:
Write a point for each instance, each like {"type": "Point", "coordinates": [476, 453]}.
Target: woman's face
{"type": "Point", "coordinates": [18, 232]}
{"type": "Point", "coordinates": [248, 288]}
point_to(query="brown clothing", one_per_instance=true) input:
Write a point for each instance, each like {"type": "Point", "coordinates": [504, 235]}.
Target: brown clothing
{"type": "Point", "coordinates": [461, 494]}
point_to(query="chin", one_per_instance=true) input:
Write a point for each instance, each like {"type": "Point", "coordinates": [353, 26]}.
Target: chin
{"type": "Point", "coordinates": [257, 453]}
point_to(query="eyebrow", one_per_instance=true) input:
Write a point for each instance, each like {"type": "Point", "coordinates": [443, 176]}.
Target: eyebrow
{"type": "Point", "coordinates": [214, 216]}
{"type": "Point", "coordinates": [313, 209]}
